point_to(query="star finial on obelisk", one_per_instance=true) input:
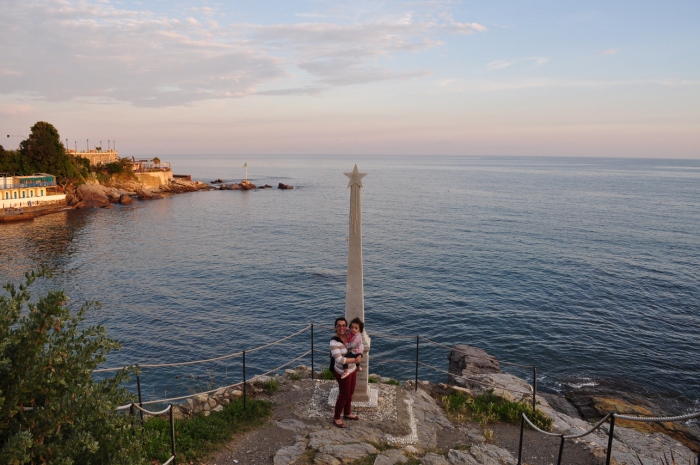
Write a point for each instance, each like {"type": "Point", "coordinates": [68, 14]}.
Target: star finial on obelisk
{"type": "Point", "coordinates": [355, 177]}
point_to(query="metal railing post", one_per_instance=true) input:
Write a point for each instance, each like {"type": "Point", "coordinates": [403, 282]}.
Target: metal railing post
{"type": "Point", "coordinates": [312, 351]}
{"type": "Point", "coordinates": [138, 386]}
{"type": "Point", "coordinates": [172, 432]}
{"type": "Point", "coordinates": [610, 439]}
{"type": "Point", "coordinates": [244, 382]}
{"type": "Point", "coordinates": [534, 388]}
{"type": "Point", "coordinates": [561, 449]}
{"type": "Point", "coordinates": [520, 446]}
{"type": "Point", "coordinates": [417, 356]}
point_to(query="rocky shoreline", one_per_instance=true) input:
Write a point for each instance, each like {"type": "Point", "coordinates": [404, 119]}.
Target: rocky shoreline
{"type": "Point", "coordinates": [412, 425]}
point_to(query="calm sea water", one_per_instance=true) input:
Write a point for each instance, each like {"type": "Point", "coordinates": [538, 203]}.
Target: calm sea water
{"type": "Point", "coordinates": [587, 268]}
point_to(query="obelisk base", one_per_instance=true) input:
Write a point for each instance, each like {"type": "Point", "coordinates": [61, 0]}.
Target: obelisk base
{"type": "Point", "coordinates": [362, 392]}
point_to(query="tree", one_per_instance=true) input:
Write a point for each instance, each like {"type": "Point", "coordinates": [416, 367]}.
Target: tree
{"type": "Point", "coordinates": [44, 152]}
{"type": "Point", "coordinates": [9, 161]}
{"type": "Point", "coordinates": [156, 160]}
{"type": "Point", "coordinates": [51, 409]}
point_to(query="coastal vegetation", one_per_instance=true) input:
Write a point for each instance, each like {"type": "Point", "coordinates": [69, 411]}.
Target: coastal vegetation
{"type": "Point", "coordinates": [198, 436]}
{"type": "Point", "coordinates": [488, 408]}
{"type": "Point", "coordinates": [53, 411]}
{"type": "Point", "coordinates": [43, 152]}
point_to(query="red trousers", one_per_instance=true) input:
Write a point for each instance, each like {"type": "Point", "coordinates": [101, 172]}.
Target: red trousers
{"type": "Point", "coordinates": [346, 388]}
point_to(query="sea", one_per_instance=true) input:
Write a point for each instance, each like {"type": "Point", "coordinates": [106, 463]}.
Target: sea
{"type": "Point", "coordinates": [587, 268]}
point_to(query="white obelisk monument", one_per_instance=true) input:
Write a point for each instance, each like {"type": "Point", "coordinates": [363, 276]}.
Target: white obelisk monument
{"type": "Point", "coordinates": [355, 294]}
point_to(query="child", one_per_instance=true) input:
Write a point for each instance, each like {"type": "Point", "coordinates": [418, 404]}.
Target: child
{"type": "Point", "coordinates": [354, 345]}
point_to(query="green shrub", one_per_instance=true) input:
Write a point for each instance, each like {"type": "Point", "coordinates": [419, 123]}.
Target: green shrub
{"type": "Point", "coordinates": [295, 377]}
{"type": "Point", "coordinates": [327, 374]}
{"type": "Point", "coordinates": [196, 437]}
{"type": "Point", "coordinates": [490, 408]}
{"type": "Point", "coordinates": [103, 178]}
{"type": "Point", "coordinates": [115, 167]}
{"type": "Point", "coordinates": [271, 386]}
{"type": "Point", "coordinates": [47, 355]}
{"type": "Point", "coordinates": [393, 382]}
{"type": "Point", "coordinates": [371, 380]}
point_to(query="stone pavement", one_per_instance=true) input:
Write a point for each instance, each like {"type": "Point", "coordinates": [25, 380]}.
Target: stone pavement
{"type": "Point", "coordinates": [408, 426]}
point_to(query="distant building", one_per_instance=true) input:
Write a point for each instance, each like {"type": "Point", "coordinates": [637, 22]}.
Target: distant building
{"type": "Point", "coordinates": [98, 157]}
{"type": "Point", "coordinates": [24, 191]}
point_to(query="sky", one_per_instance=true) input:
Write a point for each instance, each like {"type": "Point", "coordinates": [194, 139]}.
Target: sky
{"type": "Point", "coordinates": [387, 77]}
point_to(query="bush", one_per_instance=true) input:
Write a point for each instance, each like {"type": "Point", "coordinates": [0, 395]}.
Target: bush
{"type": "Point", "coordinates": [51, 410]}
{"type": "Point", "coordinates": [393, 382]}
{"type": "Point", "coordinates": [489, 408]}
{"type": "Point", "coordinates": [327, 374]}
{"type": "Point", "coordinates": [115, 167]}
{"type": "Point", "coordinates": [371, 380]}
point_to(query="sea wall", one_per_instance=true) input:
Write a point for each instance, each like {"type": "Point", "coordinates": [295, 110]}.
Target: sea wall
{"type": "Point", "coordinates": [45, 201]}
{"type": "Point", "coordinates": [155, 179]}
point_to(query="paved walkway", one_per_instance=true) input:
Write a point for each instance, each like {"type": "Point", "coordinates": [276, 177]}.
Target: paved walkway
{"type": "Point", "coordinates": [406, 425]}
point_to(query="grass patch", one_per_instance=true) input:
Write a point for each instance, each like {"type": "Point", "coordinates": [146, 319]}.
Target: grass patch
{"type": "Point", "coordinates": [488, 408]}
{"type": "Point", "coordinates": [393, 382]}
{"type": "Point", "coordinates": [271, 386]}
{"type": "Point", "coordinates": [372, 380]}
{"type": "Point", "coordinates": [327, 374]}
{"type": "Point", "coordinates": [295, 377]}
{"type": "Point", "coordinates": [196, 437]}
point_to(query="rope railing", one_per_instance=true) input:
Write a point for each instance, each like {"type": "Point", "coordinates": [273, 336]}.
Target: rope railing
{"type": "Point", "coordinates": [217, 389]}
{"type": "Point", "coordinates": [162, 365]}
{"type": "Point", "coordinates": [611, 431]}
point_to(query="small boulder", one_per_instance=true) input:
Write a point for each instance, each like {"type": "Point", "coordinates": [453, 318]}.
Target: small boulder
{"type": "Point", "coordinates": [218, 181]}
{"type": "Point", "coordinates": [284, 186]}
{"type": "Point", "coordinates": [125, 199]}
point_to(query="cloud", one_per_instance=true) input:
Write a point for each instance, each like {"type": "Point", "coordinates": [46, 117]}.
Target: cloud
{"type": "Point", "coordinates": [610, 51]}
{"type": "Point", "coordinates": [13, 110]}
{"type": "Point", "coordinates": [502, 64]}
{"type": "Point", "coordinates": [492, 85]}
{"type": "Point", "coordinates": [64, 50]}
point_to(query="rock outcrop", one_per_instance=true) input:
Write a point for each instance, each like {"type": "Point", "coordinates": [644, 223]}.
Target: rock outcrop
{"type": "Point", "coordinates": [284, 186]}
{"type": "Point", "coordinates": [125, 199]}
{"type": "Point", "coordinates": [466, 361]}
{"type": "Point", "coordinates": [90, 195]}
{"type": "Point", "coordinates": [242, 186]}
{"type": "Point", "coordinates": [147, 194]}
{"type": "Point", "coordinates": [180, 186]}
{"type": "Point", "coordinates": [594, 402]}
